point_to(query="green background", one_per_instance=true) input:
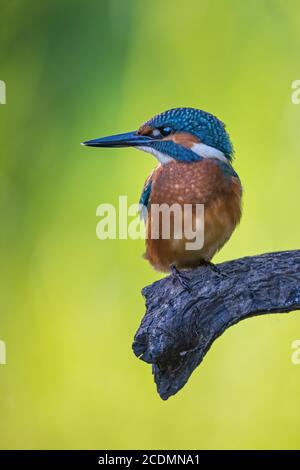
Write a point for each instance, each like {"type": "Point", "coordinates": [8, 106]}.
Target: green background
{"type": "Point", "coordinates": [70, 303]}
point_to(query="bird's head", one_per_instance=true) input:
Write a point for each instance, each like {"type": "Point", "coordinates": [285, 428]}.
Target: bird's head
{"type": "Point", "coordinates": [182, 134]}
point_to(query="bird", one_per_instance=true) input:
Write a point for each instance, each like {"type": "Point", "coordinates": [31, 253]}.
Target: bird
{"type": "Point", "coordinates": [195, 155]}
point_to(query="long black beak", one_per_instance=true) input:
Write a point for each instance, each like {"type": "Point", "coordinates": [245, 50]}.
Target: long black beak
{"type": "Point", "coordinates": [129, 139]}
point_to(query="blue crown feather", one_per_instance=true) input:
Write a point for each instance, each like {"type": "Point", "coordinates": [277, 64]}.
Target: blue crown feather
{"type": "Point", "coordinates": [206, 127]}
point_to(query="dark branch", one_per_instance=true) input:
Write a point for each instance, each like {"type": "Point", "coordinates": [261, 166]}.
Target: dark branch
{"type": "Point", "coordinates": [179, 327]}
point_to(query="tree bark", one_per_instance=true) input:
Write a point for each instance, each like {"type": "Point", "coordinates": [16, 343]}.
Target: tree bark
{"type": "Point", "coordinates": [180, 326]}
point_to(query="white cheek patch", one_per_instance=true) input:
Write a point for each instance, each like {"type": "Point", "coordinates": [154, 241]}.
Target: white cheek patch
{"type": "Point", "coordinates": [206, 151]}
{"type": "Point", "coordinates": [155, 133]}
{"type": "Point", "coordinates": [161, 157]}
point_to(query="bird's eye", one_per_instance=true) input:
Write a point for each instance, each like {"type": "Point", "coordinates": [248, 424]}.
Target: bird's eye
{"type": "Point", "coordinates": [165, 131]}
{"type": "Point", "coordinates": [160, 132]}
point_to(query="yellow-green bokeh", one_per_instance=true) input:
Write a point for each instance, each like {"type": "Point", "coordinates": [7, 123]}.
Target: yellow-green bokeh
{"type": "Point", "coordinates": [70, 303]}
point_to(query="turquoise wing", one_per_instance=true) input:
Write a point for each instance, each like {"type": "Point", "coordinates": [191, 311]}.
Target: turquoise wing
{"type": "Point", "coordinates": [145, 197]}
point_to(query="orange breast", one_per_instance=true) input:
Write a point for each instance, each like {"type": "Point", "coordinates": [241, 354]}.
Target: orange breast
{"type": "Point", "coordinates": [180, 183]}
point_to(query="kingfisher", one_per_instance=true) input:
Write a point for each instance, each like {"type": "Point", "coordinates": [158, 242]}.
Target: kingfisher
{"type": "Point", "coordinates": [194, 154]}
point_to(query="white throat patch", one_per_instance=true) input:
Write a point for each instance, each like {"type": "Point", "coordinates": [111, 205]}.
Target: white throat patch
{"type": "Point", "coordinates": [161, 157]}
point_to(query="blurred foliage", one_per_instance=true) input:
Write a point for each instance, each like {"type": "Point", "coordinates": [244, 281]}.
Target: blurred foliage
{"type": "Point", "coordinates": [70, 303]}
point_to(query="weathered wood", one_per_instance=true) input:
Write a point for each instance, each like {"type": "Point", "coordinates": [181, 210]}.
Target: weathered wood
{"type": "Point", "coordinates": [179, 327]}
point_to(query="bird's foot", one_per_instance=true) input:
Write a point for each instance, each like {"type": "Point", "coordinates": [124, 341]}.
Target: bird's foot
{"type": "Point", "coordinates": [214, 267]}
{"type": "Point", "coordinates": [180, 277]}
